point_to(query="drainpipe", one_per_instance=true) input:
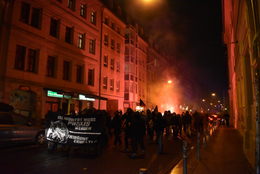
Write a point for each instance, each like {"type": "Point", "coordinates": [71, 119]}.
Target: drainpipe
{"type": "Point", "coordinates": [4, 24]}
{"type": "Point", "coordinates": [254, 4]}
{"type": "Point", "coordinates": [100, 62]}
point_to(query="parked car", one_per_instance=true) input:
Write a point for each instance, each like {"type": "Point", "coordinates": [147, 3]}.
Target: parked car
{"type": "Point", "coordinates": [16, 128]}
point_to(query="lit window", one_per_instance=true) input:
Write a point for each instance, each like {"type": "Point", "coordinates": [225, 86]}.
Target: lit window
{"type": "Point", "coordinates": [81, 41]}
{"type": "Point", "coordinates": [112, 43]}
{"type": "Point", "coordinates": [83, 10]}
{"type": "Point", "coordinates": [106, 39]}
{"type": "Point", "coordinates": [104, 82]}
{"type": "Point", "coordinates": [71, 4]}
{"type": "Point", "coordinates": [118, 66]}
{"type": "Point", "coordinates": [118, 47]}
{"type": "Point", "coordinates": [117, 86]}
{"type": "Point", "coordinates": [112, 84]}
{"type": "Point", "coordinates": [105, 60]}
{"type": "Point", "coordinates": [93, 18]}
{"type": "Point", "coordinates": [112, 63]}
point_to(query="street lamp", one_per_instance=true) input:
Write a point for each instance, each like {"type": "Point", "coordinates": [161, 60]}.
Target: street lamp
{"type": "Point", "coordinates": [169, 81]}
{"type": "Point", "coordinates": [213, 94]}
{"type": "Point", "coordinates": [203, 100]}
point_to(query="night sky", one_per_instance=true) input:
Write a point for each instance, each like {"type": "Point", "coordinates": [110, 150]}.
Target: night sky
{"type": "Point", "coordinates": [190, 31]}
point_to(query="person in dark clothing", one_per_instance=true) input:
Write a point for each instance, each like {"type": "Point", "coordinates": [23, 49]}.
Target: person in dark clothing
{"type": "Point", "coordinates": [159, 129]}
{"type": "Point", "coordinates": [169, 122]}
{"type": "Point", "coordinates": [138, 125]}
{"type": "Point", "coordinates": [200, 122]}
{"type": "Point", "coordinates": [127, 120]}
{"type": "Point", "coordinates": [175, 125]}
{"type": "Point", "coordinates": [183, 121]}
{"type": "Point", "coordinates": [117, 123]}
{"type": "Point", "coordinates": [196, 119]}
{"type": "Point", "coordinates": [226, 116]}
{"type": "Point", "coordinates": [188, 120]}
{"type": "Point", "coordinates": [150, 125]}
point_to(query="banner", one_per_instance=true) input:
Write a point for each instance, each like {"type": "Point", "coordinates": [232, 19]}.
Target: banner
{"type": "Point", "coordinates": [82, 129]}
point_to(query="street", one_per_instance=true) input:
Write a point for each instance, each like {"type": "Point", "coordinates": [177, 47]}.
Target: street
{"type": "Point", "coordinates": [35, 159]}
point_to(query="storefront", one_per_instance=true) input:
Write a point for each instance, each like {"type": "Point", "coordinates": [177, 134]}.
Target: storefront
{"type": "Point", "coordinates": [69, 101]}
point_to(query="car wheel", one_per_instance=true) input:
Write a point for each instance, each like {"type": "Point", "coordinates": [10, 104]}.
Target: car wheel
{"type": "Point", "coordinates": [40, 138]}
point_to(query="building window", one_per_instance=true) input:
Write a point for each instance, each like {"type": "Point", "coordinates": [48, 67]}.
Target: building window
{"type": "Point", "coordinates": [71, 4]}
{"type": "Point", "coordinates": [118, 47]}
{"type": "Point", "coordinates": [139, 91]}
{"type": "Point", "coordinates": [105, 60]}
{"type": "Point", "coordinates": [68, 35]}
{"type": "Point", "coordinates": [59, 1]}
{"type": "Point", "coordinates": [106, 20]}
{"type": "Point", "coordinates": [83, 10]}
{"type": "Point", "coordinates": [31, 62]}
{"type": "Point", "coordinates": [36, 18]}
{"type": "Point", "coordinates": [113, 25]}
{"type": "Point", "coordinates": [131, 87]}
{"type": "Point", "coordinates": [25, 13]}
{"type": "Point", "coordinates": [54, 28]}
{"type": "Point", "coordinates": [118, 66]}
{"type": "Point", "coordinates": [126, 96]}
{"type": "Point", "coordinates": [117, 86]}
{"type": "Point", "coordinates": [112, 65]}
{"type": "Point", "coordinates": [66, 70]}
{"type": "Point", "coordinates": [81, 38]}
{"type": "Point", "coordinates": [91, 77]}
{"type": "Point", "coordinates": [36, 15]}
{"type": "Point", "coordinates": [79, 74]}
{"type": "Point", "coordinates": [104, 82]}
{"type": "Point", "coordinates": [91, 46]}
{"type": "Point", "coordinates": [112, 84]}
{"type": "Point", "coordinates": [106, 39]}
{"type": "Point", "coordinates": [112, 43]}
{"type": "Point", "coordinates": [93, 18]}
{"type": "Point", "coordinates": [136, 88]}
{"type": "Point", "coordinates": [19, 57]}
{"type": "Point", "coordinates": [126, 86]}
{"type": "Point", "coordinates": [118, 29]}
{"type": "Point", "coordinates": [50, 66]}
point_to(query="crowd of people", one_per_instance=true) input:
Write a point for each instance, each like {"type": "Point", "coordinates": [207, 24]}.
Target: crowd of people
{"type": "Point", "coordinates": [137, 125]}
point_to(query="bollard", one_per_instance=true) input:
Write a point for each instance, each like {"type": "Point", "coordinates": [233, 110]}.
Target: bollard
{"type": "Point", "coordinates": [198, 145]}
{"type": "Point", "coordinates": [184, 157]}
{"type": "Point", "coordinates": [143, 171]}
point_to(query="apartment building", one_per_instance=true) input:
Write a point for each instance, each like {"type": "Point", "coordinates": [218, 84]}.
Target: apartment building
{"type": "Point", "coordinates": [141, 68]}
{"type": "Point", "coordinates": [112, 61]}
{"type": "Point", "coordinates": [50, 54]}
{"type": "Point", "coordinates": [241, 37]}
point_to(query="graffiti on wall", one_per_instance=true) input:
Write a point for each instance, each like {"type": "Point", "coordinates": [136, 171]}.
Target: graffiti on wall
{"type": "Point", "coordinates": [24, 102]}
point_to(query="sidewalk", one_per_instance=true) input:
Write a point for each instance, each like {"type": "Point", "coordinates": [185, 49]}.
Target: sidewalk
{"type": "Point", "coordinates": [223, 155]}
